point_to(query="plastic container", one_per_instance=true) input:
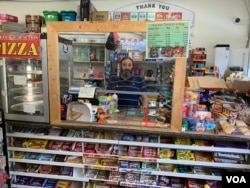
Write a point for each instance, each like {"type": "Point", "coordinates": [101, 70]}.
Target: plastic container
{"type": "Point", "coordinates": [51, 16]}
{"type": "Point", "coordinates": [68, 15]}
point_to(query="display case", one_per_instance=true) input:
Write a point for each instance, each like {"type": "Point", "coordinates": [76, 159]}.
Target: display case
{"type": "Point", "coordinates": [24, 90]}
{"type": "Point", "coordinates": [87, 156]}
{"type": "Point", "coordinates": [55, 29]}
{"type": "Point", "coordinates": [88, 58]}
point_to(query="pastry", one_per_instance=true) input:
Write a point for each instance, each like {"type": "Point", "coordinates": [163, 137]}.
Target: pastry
{"type": "Point", "coordinates": [244, 130]}
{"type": "Point", "coordinates": [75, 115]}
{"type": "Point", "coordinates": [240, 123]}
{"type": "Point", "coordinates": [226, 127]}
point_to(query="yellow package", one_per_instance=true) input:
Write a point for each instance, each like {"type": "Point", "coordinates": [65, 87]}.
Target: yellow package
{"type": "Point", "coordinates": [63, 184]}
{"type": "Point", "coordinates": [35, 144]}
{"type": "Point", "coordinates": [109, 162]}
{"type": "Point", "coordinates": [18, 154]}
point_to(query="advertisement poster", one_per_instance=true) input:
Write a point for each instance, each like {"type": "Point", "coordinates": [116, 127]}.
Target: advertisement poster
{"type": "Point", "coordinates": [167, 39]}
{"type": "Point", "coordinates": [20, 45]}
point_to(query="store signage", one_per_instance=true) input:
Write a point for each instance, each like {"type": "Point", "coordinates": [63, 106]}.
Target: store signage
{"type": "Point", "coordinates": [152, 11]}
{"type": "Point", "coordinates": [167, 39]}
{"type": "Point", "coordinates": [20, 45]}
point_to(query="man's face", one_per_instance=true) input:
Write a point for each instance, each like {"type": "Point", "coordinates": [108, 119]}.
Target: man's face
{"type": "Point", "coordinates": [127, 65]}
{"type": "Point", "coordinates": [126, 69]}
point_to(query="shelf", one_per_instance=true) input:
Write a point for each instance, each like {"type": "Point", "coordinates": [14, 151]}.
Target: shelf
{"type": "Point", "coordinates": [174, 174]}
{"type": "Point", "coordinates": [199, 60]}
{"type": "Point", "coordinates": [139, 184]}
{"type": "Point", "coordinates": [88, 62]}
{"type": "Point", "coordinates": [72, 139]}
{"type": "Point", "coordinates": [100, 167]}
{"type": "Point", "coordinates": [132, 143]}
{"type": "Point", "coordinates": [25, 72]}
{"type": "Point", "coordinates": [58, 177]}
{"type": "Point", "coordinates": [107, 182]}
{"type": "Point", "coordinates": [140, 159]}
{"type": "Point", "coordinates": [80, 168]}
{"type": "Point", "coordinates": [205, 164]}
{"type": "Point", "coordinates": [200, 69]}
{"type": "Point", "coordinates": [56, 152]}
{"type": "Point", "coordinates": [74, 165]}
{"type": "Point", "coordinates": [89, 78]}
{"type": "Point", "coordinates": [198, 52]}
{"type": "Point", "coordinates": [99, 155]}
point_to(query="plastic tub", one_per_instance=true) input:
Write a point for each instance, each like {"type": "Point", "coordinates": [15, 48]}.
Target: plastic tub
{"type": "Point", "coordinates": [68, 15]}
{"type": "Point", "coordinates": [51, 16]}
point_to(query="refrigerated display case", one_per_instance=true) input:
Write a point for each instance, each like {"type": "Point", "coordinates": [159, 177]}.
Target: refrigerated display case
{"type": "Point", "coordinates": [24, 87]}
{"type": "Point", "coordinates": [87, 58]}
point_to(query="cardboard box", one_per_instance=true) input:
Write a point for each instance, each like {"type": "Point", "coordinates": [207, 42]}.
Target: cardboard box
{"type": "Point", "coordinates": [207, 82]}
{"type": "Point", "coordinates": [12, 27]}
{"type": "Point", "coordinates": [243, 86]}
{"type": "Point", "coordinates": [100, 16]}
{"type": "Point", "coordinates": [237, 84]}
{"type": "Point", "coordinates": [8, 18]}
{"type": "Point", "coordinates": [34, 23]}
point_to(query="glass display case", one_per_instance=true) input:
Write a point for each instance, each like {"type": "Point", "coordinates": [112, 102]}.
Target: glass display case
{"type": "Point", "coordinates": [25, 87]}
{"type": "Point", "coordinates": [91, 63]}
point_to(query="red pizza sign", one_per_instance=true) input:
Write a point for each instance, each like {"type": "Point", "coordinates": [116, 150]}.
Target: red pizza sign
{"type": "Point", "coordinates": [20, 45]}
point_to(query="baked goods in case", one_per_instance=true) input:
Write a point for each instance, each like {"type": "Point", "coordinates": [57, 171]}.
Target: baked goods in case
{"type": "Point", "coordinates": [242, 127]}
{"type": "Point", "coordinates": [75, 115]}
{"type": "Point", "coordinates": [226, 127]}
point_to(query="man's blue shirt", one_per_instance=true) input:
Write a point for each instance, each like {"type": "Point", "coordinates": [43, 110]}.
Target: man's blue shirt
{"type": "Point", "coordinates": [135, 83]}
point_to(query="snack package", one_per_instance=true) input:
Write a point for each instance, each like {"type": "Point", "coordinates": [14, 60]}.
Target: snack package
{"type": "Point", "coordinates": [103, 174]}
{"type": "Point", "coordinates": [166, 167]}
{"type": "Point", "coordinates": [166, 153]}
{"type": "Point", "coordinates": [116, 176]}
{"type": "Point", "coordinates": [35, 144]}
{"type": "Point", "coordinates": [23, 180]}
{"type": "Point", "coordinates": [149, 152]}
{"type": "Point", "coordinates": [20, 167]}
{"type": "Point", "coordinates": [63, 184]}
{"type": "Point", "coordinates": [50, 183]}
{"type": "Point", "coordinates": [74, 159]}
{"type": "Point", "coordinates": [103, 110]}
{"type": "Point", "coordinates": [19, 154]}
{"type": "Point", "coordinates": [148, 179]}
{"type": "Point", "coordinates": [66, 171]}
{"type": "Point", "coordinates": [45, 169]}
{"type": "Point", "coordinates": [132, 178]}
{"type": "Point", "coordinates": [148, 166]}
{"type": "Point", "coordinates": [91, 173]}
{"type": "Point", "coordinates": [185, 155]}
{"type": "Point", "coordinates": [164, 181]}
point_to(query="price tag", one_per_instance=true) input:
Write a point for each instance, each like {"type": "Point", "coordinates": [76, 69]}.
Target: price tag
{"type": "Point", "coordinates": [20, 80]}
{"type": "Point", "coordinates": [29, 108]}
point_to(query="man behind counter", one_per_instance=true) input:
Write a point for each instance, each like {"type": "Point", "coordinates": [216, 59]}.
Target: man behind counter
{"type": "Point", "coordinates": [128, 81]}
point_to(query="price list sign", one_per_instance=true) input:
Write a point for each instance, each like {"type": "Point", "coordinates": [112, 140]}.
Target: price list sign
{"type": "Point", "coordinates": [167, 39]}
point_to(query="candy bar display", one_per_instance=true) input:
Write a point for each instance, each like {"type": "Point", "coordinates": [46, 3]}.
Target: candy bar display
{"type": "Point", "coordinates": [123, 159]}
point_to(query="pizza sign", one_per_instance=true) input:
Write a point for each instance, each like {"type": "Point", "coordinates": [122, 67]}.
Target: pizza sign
{"type": "Point", "coordinates": [20, 45]}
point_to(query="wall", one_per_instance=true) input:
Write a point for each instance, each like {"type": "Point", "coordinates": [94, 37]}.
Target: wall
{"type": "Point", "coordinates": [213, 19]}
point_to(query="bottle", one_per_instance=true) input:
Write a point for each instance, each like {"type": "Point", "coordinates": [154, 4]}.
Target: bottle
{"type": "Point", "coordinates": [114, 100]}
